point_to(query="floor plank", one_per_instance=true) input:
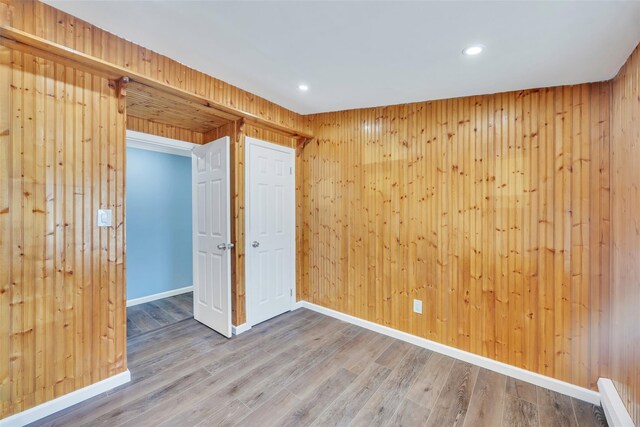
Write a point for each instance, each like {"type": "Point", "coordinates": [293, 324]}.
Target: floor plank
{"type": "Point", "coordinates": [219, 389]}
{"type": "Point", "coordinates": [153, 315]}
{"type": "Point", "coordinates": [393, 354]}
{"type": "Point", "coordinates": [426, 389]}
{"type": "Point", "coordinates": [383, 404]}
{"type": "Point", "coordinates": [310, 408]}
{"type": "Point", "coordinates": [264, 416]}
{"type": "Point", "coordinates": [555, 409]}
{"type": "Point", "coordinates": [452, 404]}
{"type": "Point", "coordinates": [519, 413]}
{"type": "Point", "coordinates": [410, 414]}
{"type": "Point", "coordinates": [225, 416]}
{"type": "Point", "coordinates": [522, 390]}
{"type": "Point", "coordinates": [303, 368]}
{"type": "Point", "coordinates": [344, 409]}
{"type": "Point", "coordinates": [143, 321]}
{"type": "Point", "coordinates": [588, 415]}
{"type": "Point", "coordinates": [487, 400]}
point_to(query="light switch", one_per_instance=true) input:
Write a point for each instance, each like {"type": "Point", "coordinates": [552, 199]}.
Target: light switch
{"type": "Point", "coordinates": [417, 306]}
{"type": "Point", "coordinates": [104, 217]}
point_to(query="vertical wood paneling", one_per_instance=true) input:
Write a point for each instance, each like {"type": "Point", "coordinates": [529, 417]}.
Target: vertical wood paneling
{"type": "Point", "coordinates": [44, 21]}
{"type": "Point", "coordinates": [491, 209]}
{"type": "Point", "coordinates": [494, 210]}
{"type": "Point", "coordinates": [625, 200]}
{"type": "Point", "coordinates": [167, 131]}
{"type": "Point", "coordinates": [52, 24]}
{"type": "Point", "coordinates": [6, 243]}
{"type": "Point", "coordinates": [63, 299]}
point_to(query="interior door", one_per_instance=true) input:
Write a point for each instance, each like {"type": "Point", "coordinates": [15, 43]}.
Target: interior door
{"type": "Point", "coordinates": [270, 229]}
{"type": "Point", "coordinates": [211, 233]}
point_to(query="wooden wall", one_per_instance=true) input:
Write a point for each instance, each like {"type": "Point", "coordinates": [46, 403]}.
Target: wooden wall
{"type": "Point", "coordinates": [167, 131]}
{"type": "Point", "coordinates": [493, 210]}
{"type": "Point", "coordinates": [62, 305]}
{"type": "Point", "coordinates": [62, 279]}
{"type": "Point", "coordinates": [625, 201]}
{"type": "Point", "coordinates": [47, 22]}
{"type": "Point", "coordinates": [54, 25]}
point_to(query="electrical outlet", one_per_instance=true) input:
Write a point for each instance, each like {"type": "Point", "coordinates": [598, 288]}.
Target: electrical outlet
{"type": "Point", "coordinates": [417, 306]}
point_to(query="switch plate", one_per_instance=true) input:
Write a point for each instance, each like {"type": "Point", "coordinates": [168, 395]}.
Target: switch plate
{"type": "Point", "coordinates": [417, 306]}
{"type": "Point", "coordinates": [104, 217]}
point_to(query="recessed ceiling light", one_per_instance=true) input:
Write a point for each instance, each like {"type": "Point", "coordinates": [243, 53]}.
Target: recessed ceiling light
{"type": "Point", "coordinates": [473, 50]}
{"type": "Point", "coordinates": [303, 87]}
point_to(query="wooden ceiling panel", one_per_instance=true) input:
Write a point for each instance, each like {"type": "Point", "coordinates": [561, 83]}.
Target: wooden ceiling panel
{"type": "Point", "coordinates": [161, 107]}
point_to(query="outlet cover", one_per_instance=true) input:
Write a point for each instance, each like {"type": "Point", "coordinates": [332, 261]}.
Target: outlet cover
{"type": "Point", "coordinates": [417, 306]}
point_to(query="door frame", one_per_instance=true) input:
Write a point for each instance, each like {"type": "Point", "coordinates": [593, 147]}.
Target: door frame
{"type": "Point", "coordinates": [161, 144]}
{"type": "Point", "coordinates": [249, 141]}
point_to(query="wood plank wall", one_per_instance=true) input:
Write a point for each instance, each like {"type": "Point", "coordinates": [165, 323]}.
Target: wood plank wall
{"type": "Point", "coordinates": [625, 201]}
{"type": "Point", "coordinates": [161, 129]}
{"type": "Point", "coordinates": [237, 135]}
{"type": "Point", "coordinates": [493, 210]}
{"type": "Point", "coordinates": [52, 24]}
{"type": "Point", "coordinates": [62, 279]}
{"type": "Point", "coordinates": [483, 236]}
{"type": "Point", "coordinates": [45, 21]}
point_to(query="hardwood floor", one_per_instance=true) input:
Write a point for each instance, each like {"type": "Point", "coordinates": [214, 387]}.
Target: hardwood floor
{"type": "Point", "coordinates": [158, 314]}
{"type": "Point", "coordinates": [303, 368]}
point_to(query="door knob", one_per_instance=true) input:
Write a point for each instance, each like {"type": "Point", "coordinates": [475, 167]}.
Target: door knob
{"type": "Point", "coordinates": [222, 246]}
{"type": "Point", "coordinates": [255, 244]}
{"type": "Point", "coordinates": [231, 246]}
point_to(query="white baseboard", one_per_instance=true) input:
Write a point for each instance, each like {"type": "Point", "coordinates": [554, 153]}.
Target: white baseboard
{"type": "Point", "coordinates": [44, 410]}
{"type": "Point", "coordinates": [484, 362]}
{"type": "Point", "coordinates": [614, 409]}
{"type": "Point", "coordinates": [237, 330]}
{"type": "Point", "coordinates": [161, 295]}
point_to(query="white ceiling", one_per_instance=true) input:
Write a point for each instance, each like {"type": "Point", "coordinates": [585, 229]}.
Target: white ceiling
{"type": "Point", "coordinates": [362, 54]}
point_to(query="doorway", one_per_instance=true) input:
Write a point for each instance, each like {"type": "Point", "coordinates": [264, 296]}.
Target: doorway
{"type": "Point", "coordinates": [270, 229]}
{"type": "Point", "coordinates": [158, 232]}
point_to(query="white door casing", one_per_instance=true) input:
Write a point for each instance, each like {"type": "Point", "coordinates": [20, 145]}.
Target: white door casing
{"type": "Point", "coordinates": [270, 229]}
{"type": "Point", "coordinates": [211, 234]}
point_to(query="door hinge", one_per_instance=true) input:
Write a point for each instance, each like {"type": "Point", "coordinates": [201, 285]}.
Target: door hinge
{"type": "Point", "coordinates": [290, 292]}
{"type": "Point", "coordinates": [291, 170]}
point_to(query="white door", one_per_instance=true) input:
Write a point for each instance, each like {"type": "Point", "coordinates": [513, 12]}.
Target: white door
{"type": "Point", "coordinates": [270, 229]}
{"type": "Point", "coordinates": [211, 233]}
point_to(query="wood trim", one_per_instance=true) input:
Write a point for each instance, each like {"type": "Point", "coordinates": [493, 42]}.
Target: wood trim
{"type": "Point", "coordinates": [237, 330]}
{"type": "Point", "coordinates": [164, 130]}
{"type": "Point", "coordinates": [159, 295]}
{"type": "Point", "coordinates": [159, 143]}
{"type": "Point", "coordinates": [612, 404]}
{"type": "Point", "coordinates": [25, 42]}
{"type": "Point", "coordinates": [66, 401]}
{"type": "Point", "coordinates": [121, 93]}
{"type": "Point", "coordinates": [300, 144]}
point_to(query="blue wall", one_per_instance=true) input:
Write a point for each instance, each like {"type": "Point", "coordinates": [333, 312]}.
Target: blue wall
{"type": "Point", "coordinates": [158, 222]}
